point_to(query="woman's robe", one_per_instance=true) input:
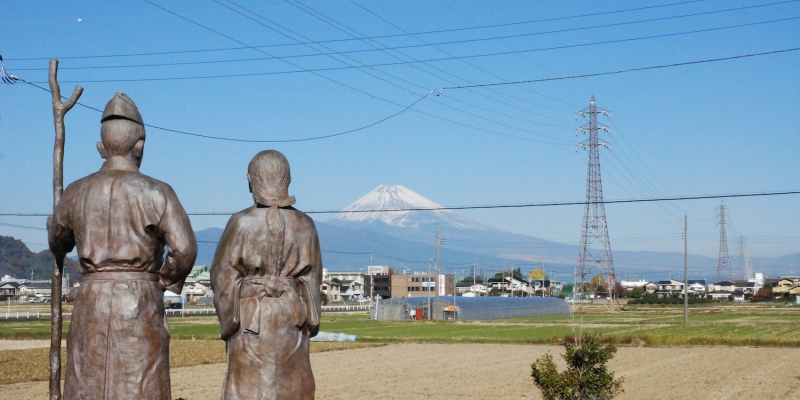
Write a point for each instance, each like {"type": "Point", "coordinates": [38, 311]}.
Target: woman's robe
{"type": "Point", "coordinates": [268, 336]}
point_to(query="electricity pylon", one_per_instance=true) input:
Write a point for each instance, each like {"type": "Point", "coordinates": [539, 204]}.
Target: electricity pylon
{"type": "Point", "coordinates": [723, 262]}
{"type": "Point", "coordinates": [595, 250]}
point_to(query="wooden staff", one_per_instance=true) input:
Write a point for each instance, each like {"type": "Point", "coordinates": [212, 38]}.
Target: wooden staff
{"type": "Point", "coordinates": [59, 111]}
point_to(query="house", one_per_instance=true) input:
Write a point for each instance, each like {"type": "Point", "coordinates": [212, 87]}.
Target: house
{"type": "Point", "coordinates": [352, 289]}
{"type": "Point", "coordinates": [722, 290]}
{"type": "Point", "coordinates": [650, 287]}
{"type": "Point", "coordinates": [9, 290]}
{"type": "Point", "coordinates": [745, 287]}
{"type": "Point", "coordinates": [194, 290]}
{"type": "Point", "coordinates": [41, 289]}
{"type": "Point", "coordinates": [669, 288]}
{"type": "Point", "coordinates": [354, 284]}
{"type": "Point", "coordinates": [463, 287]}
{"type": "Point", "coordinates": [630, 285]}
{"type": "Point", "coordinates": [783, 285]}
{"type": "Point", "coordinates": [510, 283]}
{"type": "Point", "coordinates": [479, 289]}
{"type": "Point", "coordinates": [697, 286]}
{"type": "Point", "coordinates": [332, 290]}
{"type": "Point", "coordinates": [550, 288]}
{"type": "Point", "coordinates": [201, 274]}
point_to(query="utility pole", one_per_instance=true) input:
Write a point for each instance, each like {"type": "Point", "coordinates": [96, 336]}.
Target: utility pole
{"type": "Point", "coordinates": [595, 231]}
{"type": "Point", "coordinates": [486, 278]}
{"type": "Point", "coordinates": [723, 262]}
{"type": "Point", "coordinates": [455, 283]}
{"type": "Point", "coordinates": [474, 266]}
{"type": "Point", "coordinates": [685, 269]}
{"type": "Point", "coordinates": [436, 305]}
{"type": "Point", "coordinates": [430, 260]}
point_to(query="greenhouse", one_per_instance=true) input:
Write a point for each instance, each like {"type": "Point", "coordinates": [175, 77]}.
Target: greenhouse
{"type": "Point", "coordinates": [467, 308]}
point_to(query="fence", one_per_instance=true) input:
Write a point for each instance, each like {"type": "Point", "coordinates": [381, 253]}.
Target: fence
{"type": "Point", "coordinates": [22, 315]}
{"type": "Point", "coordinates": [26, 315]}
{"type": "Point", "coordinates": [345, 308]}
{"type": "Point", "coordinates": [191, 311]}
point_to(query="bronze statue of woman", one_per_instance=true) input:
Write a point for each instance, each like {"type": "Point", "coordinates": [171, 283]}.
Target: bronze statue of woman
{"type": "Point", "coordinates": [265, 276]}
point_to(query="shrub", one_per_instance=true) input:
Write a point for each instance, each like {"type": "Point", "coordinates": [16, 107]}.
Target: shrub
{"type": "Point", "coordinates": [586, 377]}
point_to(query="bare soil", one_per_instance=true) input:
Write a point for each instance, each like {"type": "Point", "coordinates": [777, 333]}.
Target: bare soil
{"type": "Point", "coordinates": [446, 371]}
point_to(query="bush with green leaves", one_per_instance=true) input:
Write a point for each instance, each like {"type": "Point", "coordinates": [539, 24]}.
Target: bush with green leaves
{"type": "Point", "coordinates": [586, 377]}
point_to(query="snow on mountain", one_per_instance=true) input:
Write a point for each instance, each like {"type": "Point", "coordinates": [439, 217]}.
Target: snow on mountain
{"type": "Point", "coordinates": [393, 197]}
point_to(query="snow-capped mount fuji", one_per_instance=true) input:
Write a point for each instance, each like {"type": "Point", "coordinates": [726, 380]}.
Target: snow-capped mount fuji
{"type": "Point", "coordinates": [396, 237]}
{"type": "Point", "coordinates": [458, 231]}
{"type": "Point", "coordinates": [399, 197]}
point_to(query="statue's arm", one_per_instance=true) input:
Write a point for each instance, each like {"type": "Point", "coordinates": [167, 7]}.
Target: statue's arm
{"type": "Point", "coordinates": [310, 289]}
{"type": "Point", "coordinates": [176, 230]}
{"type": "Point", "coordinates": [225, 274]}
{"type": "Point", "coordinates": [60, 237]}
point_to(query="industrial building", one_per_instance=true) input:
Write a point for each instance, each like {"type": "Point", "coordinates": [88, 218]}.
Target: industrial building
{"type": "Point", "coordinates": [467, 308]}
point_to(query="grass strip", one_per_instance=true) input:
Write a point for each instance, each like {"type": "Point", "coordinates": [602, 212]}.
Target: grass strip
{"type": "Point", "coordinates": [33, 365]}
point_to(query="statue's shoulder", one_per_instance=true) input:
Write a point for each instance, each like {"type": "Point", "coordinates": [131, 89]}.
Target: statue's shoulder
{"type": "Point", "coordinates": [303, 222]}
{"type": "Point", "coordinates": [303, 218]}
{"type": "Point", "coordinates": [149, 184]}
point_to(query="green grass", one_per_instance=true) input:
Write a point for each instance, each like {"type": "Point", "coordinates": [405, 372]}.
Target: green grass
{"type": "Point", "coordinates": [651, 326]}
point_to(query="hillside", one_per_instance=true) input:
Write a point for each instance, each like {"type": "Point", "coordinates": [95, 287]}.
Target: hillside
{"type": "Point", "coordinates": [18, 261]}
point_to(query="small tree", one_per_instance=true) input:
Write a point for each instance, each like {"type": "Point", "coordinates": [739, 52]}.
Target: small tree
{"type": "Point", "coordinates": [586, 377]}
{"type": "Point", "coordinates": [764, 293]}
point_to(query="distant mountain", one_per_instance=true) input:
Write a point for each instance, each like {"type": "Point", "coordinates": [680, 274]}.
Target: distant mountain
{"type": "Point", "coordinates": [18, 261]}
{"type": "Point", "coordinates": [406, 239]}
{"type": "Point", "coordinates": [349, 249]}
{"type": "Point", "coordinates": [393, 197]}
{"type": "Point", "coordinates": [458, 232]}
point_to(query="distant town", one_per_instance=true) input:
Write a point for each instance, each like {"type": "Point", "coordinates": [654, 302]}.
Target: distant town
{"type": "Point", "coordinates": [383, 282]}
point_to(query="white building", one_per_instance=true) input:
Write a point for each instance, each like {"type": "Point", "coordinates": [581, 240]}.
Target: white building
{"type": "Point", "coordinates": [630, 285]}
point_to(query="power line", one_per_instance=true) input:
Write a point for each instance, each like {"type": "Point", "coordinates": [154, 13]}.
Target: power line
{"type": "Point", "coordinates": [494, 206]}
{"type": "Point", "coordinates": [352, 32]}
{"type": "Point", "coordinates": [22, 226]}
{"type": "Point", "coordinates": [368, 37]}
{"type": "Point", "coordinates": [457, 58]}
{"type": "Point", "coordinates": [256, 140]}
{"type": "Point", "coordinates": [405, 34]}
{"type": "Point", "coordinates": [710, 60]}
{"type": "Point", "coordinates": [495, 54]}
{"type": "Point", "coordinates": [327, 78]}
{"type": "Point", "coordinates": [326, 136]}
{"type": "Point", "coordinates": [370, 74]}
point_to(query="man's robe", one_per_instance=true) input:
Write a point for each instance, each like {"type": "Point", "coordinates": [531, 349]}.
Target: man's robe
{"type": "Point", "coordinates": [120, 221]}
{"type": "Point", "coordinates": [267, 318]}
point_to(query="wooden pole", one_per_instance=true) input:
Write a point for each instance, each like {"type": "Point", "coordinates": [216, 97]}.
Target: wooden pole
{"type": "Point", "coordinates": [59, 111]}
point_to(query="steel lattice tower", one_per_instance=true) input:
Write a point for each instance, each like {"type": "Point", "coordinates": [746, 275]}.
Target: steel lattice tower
{"type": "Point", "coordinates": [723, 262]}
{"type": "Point", "coordinates": [744, 260]}
{"type": "Point", "coordinates": [595, 249]}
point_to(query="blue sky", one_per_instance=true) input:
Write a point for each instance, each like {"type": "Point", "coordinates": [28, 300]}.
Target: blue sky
{"type": "Point", "coordinates": [726, 127]}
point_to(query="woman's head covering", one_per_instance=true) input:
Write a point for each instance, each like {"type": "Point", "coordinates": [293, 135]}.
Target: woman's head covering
{"type": "Point", "coordinates": [269, 178]}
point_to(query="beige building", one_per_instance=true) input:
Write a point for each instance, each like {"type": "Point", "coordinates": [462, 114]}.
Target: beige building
{"type": "Point", "coordinates": [332, 290]}
{"type": "Point", "coordinates": [421, 285]}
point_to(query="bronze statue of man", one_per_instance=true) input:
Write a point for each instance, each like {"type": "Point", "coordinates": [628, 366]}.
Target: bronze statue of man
{"type": "Point", "coordinates": [266, 276]}
{"type": "Point", "coordinates": [121, 220]}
